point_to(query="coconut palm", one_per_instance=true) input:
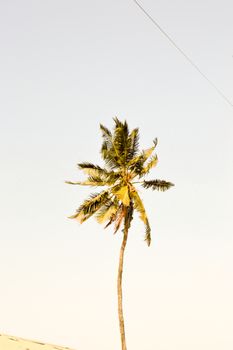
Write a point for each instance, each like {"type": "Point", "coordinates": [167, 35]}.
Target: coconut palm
{"type": "Point", "coordinates": [125, 167]}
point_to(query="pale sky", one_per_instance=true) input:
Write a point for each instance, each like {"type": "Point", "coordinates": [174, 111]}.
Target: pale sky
{"type": "Point", "coordinates": [65, 67]}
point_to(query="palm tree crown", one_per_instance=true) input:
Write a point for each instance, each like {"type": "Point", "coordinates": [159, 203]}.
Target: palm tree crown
{"type": "Point", "coordinates": [124, 167]}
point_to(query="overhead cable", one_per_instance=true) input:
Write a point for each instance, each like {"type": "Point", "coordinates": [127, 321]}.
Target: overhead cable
{"type": "Point", "coordinates": [182, 52]}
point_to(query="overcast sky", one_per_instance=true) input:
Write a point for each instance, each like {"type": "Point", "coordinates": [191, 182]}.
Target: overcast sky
{"type": "Point", "coordinates": [65, 67]}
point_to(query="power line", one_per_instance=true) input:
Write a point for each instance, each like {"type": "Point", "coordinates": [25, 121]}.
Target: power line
{"type": "Point", "coordinates": [182, 52]}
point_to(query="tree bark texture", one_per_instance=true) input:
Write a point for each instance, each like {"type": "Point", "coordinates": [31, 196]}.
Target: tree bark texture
{"type": "Point", "coordinates": [119, 290]}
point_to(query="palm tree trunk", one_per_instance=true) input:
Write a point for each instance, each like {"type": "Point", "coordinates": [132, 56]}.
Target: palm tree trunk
{"type": "Point", "coordinates": [119, 289]}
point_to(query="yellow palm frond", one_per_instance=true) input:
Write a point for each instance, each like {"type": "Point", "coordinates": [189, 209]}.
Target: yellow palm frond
{"type": "Point", "coordinates": [151, 164]}
{"type": "Point", "coordinates": [148, 152]}
{"type": "Point", "coordinates": [139, 207]}
{"type": "Point", "coordinates": [86, 183]}
{"type": "Point", "coordinates": [122, 195]}
{"type": "Point", "coordinates": [106, 212]}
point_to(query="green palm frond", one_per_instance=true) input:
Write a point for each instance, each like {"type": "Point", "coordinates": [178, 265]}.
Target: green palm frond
{"type": "Point", "coordinates": [107, 137]}
{"type": "Point", "coordinates": [148, 233]}
{"type": "Point", "coordinates": [107, 143]}
{"type": "Point", "coordinates": [133, 145]}
{"type": "Point", "coordinates": [106, 180]}
{"type": "Point", "coordinates": [98, 174]}
{"type": "Point", "coordinates": [139, 207]}
{"type": "Point", "coordinates": [136, 165]}
{"type": "Point", "coordinates": [90, 206]}
{"type": "Point", "coordinates": [120, 141]}
{"type": "Point", "coordinates": [109, 154]}
{"type": "Point", "coordinates": [159, 185]}
{"type": "Point", "coordinates": [73, 183]}
{"type": "Point", "coordinates": [121, 146]}
{"type": "Point", "coordinates": [92, 169]}
{"type": "Point", "coordinates": [111, 145]}
{"type": "Point", "coordinates": [106, 133]}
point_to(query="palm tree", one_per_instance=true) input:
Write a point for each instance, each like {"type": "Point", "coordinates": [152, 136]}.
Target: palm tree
{"type": "Point", "coordinates": [124, 168]}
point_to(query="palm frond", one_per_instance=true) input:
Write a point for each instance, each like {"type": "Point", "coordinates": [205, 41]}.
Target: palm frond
{"type": "Point", "coordinates": [148, 233]}
{"type": "Point", "coordinates": [132, 145]}
{"type": "Point", "coordinates": [72, 183]}
{"type": "Point", "coordinates": [92, 169]}
{"type": "Point", "coordinates": [155, 142]}
{"type": "Point", "coordinates": [151, 164]}
{"type": "Point", "coordinates": [111, 158]}
{"type": "Point", "coordinates": [137, 164]}
{"type": "Point", "coordinates": [120, 147]}
{"type": "Point", "coordinates": [90, 206]}
{"type": "Point", "coordinates": [111, 220]}
{"type": "Point", "coordinates": [120, 141]}
{"type": "Point", "coordinates": [107, 137]}
{"type": "Point", "coordinates": [120, 214]}
{"type": "Point", "coordinates": [139, 207]}
{"type": "Point", "coordinates": [106, 133]}
{"type": "Point", "coordinates": [159, 185]}
{"type": "Point", "coordinates": [148, 152]}
{"type": "Point", "coordinates": [109, 155]}
{"type": "Point", "coordinates": [122, 194]}
{"type": "Point", "coordinates": [108, 152]}
{"type": "Point", "coordinates": [91, 181]}
{"type": "Point", "coordinates": [98, 174]}
{"type": "Point", "coordinates": [95, 181]}
{"type": "Point", "coordinates": [107, 211]}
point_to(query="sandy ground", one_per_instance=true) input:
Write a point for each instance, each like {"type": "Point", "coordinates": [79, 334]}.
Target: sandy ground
{"type": "Point", "coordinates": [8, 342]}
